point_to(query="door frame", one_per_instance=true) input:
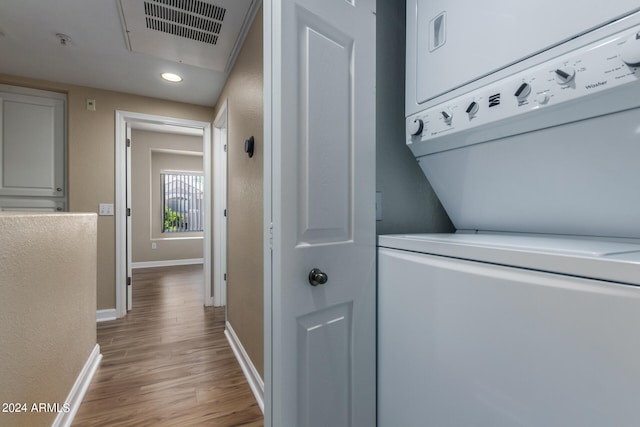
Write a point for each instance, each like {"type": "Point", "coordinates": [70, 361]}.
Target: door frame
{"type": "Point", "coordinates": [220, 141]}
{"type": "Point", "coordinates": [121, 119]}
{"type": "Point", "coordinates": [270, 87]}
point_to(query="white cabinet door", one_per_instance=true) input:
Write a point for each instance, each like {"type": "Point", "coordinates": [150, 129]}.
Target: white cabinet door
{"type": "Point", "coordinates": [31, 145]}
{"type": "Point", "coordinates": [320, 194]}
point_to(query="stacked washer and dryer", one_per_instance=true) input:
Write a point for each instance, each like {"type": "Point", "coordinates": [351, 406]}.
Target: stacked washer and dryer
{"type": "Point", "coordinates": [525, 118]}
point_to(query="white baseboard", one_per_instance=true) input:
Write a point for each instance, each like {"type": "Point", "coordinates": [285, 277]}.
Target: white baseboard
{"type": "Point", "coordinates": [104, 315]}
{"type": "Point", "coordinates": [74, 399]}
{"type": "Point", "coordinates": [167, 263]}
{"type": "Point", "coordinates": [250, 371]}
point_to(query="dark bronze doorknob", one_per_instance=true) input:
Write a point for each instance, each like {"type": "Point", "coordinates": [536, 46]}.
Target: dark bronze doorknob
{"type": "Point", "coordinates": [317, 277]}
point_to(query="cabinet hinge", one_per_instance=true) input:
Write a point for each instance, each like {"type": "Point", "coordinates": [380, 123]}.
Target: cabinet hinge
{"type": "Point", "coordinates": [225, 148]}
{"type": "Point", "coordinates": [128, 281]}
{"type": "Point", "coordinates": [225, 212]}
{"type": "Point", "coordinates": [128, 142]}
{"type": "Point", "coordinates": [128, 211]}
{"type": "Point", "coordinates": [225, 276]}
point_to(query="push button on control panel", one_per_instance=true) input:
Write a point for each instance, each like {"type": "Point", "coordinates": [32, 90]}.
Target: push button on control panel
{"type": "Point", "coordinates": [542, 98]}
{"type": "Point", "coordinates": [631, 51]}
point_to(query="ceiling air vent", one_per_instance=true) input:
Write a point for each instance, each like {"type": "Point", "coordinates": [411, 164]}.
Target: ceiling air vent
{"type": "Point", "coordinates": [191, 19]}
{"type": "Point", "coordinates": [202, 33]}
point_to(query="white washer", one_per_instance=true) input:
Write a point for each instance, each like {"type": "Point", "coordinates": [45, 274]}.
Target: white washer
{"type": "Point", "coordinates": [506, 330]}
{"type": "Point", "coordinates": [527, 315]}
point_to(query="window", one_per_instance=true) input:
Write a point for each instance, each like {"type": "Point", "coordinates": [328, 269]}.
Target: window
{"type": "Point", "coordinates": [182, 201]}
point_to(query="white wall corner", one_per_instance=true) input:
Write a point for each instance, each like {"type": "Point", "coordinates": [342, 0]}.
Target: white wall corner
{"type": "Point", "coordinates": [250, 372]}
{"type": "Point", "coordinates": [104, 315]}
{"type": "Point", "coordinates": [74, 399]}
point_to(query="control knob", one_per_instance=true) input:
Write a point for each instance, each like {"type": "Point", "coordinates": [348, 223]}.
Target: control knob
{"type": "Point", "coordinates": [523, 91]}
{"type": "Point", "coordinates": [415, 127]}
{"type": "Point", "coordinates": [630, 53]}
{"type": "Point", "coordinates": [472, 109]}
{"type": "Point", "coordinates": [564, 75]}
{"type": "Point", "coordinates": [447, 116]}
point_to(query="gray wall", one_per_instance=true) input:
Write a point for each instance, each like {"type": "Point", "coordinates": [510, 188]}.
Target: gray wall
{"type": "Point", "coordinates": [149, 155]}
{"type": "Point", "coordinates": [409, 204]}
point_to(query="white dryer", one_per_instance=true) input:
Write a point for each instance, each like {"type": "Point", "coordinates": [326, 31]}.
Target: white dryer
{"type": "Point", "coordinates": [525, 316]}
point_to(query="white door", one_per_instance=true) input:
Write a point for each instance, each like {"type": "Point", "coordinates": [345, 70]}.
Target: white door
{"type": "Point", "coordinates": [129, 230]}
{"type": "Point", "coordinates": [319, 200]}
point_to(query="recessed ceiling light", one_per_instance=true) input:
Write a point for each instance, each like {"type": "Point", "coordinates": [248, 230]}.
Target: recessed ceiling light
{"type": "Point", "coordinates": [171, 77]}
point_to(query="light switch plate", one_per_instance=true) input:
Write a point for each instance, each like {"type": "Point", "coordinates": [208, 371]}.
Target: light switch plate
{"type": "Point", "coordinates": [106, 209]}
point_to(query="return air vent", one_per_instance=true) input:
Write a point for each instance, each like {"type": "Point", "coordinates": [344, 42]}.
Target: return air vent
{"type": "Point", "coordinates": [203, 33]}
{"type": "Point", "coordinates": [191, 19]}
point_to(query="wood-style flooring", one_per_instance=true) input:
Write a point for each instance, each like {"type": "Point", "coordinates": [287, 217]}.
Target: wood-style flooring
{"type": "Point", "coordinates": [168, 363]}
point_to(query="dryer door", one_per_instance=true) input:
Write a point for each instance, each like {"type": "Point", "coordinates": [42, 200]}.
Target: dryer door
{"type": "Point", "coordinates": [452, 43]}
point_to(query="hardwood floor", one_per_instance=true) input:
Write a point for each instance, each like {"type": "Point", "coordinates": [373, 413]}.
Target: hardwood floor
{"type": "Point", "coordinates": [168, 363]}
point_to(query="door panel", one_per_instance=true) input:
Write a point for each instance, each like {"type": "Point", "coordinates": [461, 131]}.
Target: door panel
{"type": "Point", "coordinates": [325, 164]}
{"type": "Point", "coordinates": [324, 339]}
{"type": "Point", "coordinates": [320, 189]}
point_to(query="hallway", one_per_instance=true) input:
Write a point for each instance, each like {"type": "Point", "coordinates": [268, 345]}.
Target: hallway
{"type": "Point", "coordinates": [168, 363]}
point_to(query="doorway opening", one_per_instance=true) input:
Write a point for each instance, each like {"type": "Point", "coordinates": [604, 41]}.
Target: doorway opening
{"type": "Point", "coordinates": [125, 121]}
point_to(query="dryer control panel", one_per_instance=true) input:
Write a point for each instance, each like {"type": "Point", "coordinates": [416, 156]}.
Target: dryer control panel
{"type": "Point", "coordinates": [600, 78]}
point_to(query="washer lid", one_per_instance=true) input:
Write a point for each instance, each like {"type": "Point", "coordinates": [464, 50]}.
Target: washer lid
{"type": "Point", "coordinates": [591, 258]}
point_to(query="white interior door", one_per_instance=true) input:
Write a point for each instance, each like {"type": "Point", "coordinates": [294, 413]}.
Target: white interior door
{"type": "Point", "coordinates": [129, 230]}
{"type": "Point", "coordinates": [320, 197]}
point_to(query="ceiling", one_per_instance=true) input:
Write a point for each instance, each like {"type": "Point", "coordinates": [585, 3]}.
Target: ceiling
{"type": "Point", "coordinates": [103, 55]}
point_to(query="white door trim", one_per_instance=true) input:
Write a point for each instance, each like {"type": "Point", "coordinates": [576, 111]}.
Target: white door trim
{"type": "Point", "coordinates": [122, 118]}
{"type": "Point", "coordinates": [270, 88]}
{"type": "Point", "coordinates": [220, 140]}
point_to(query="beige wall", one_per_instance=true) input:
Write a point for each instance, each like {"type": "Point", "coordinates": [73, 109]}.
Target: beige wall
{"type": "Point", "coordinates": [245, 184]}
{"type": "Point", "coordinates": [91, 157]}
{"type": "Point", "coordinates": [152, 152]}
{"type": "Point", "coordinates": [47, 308]}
